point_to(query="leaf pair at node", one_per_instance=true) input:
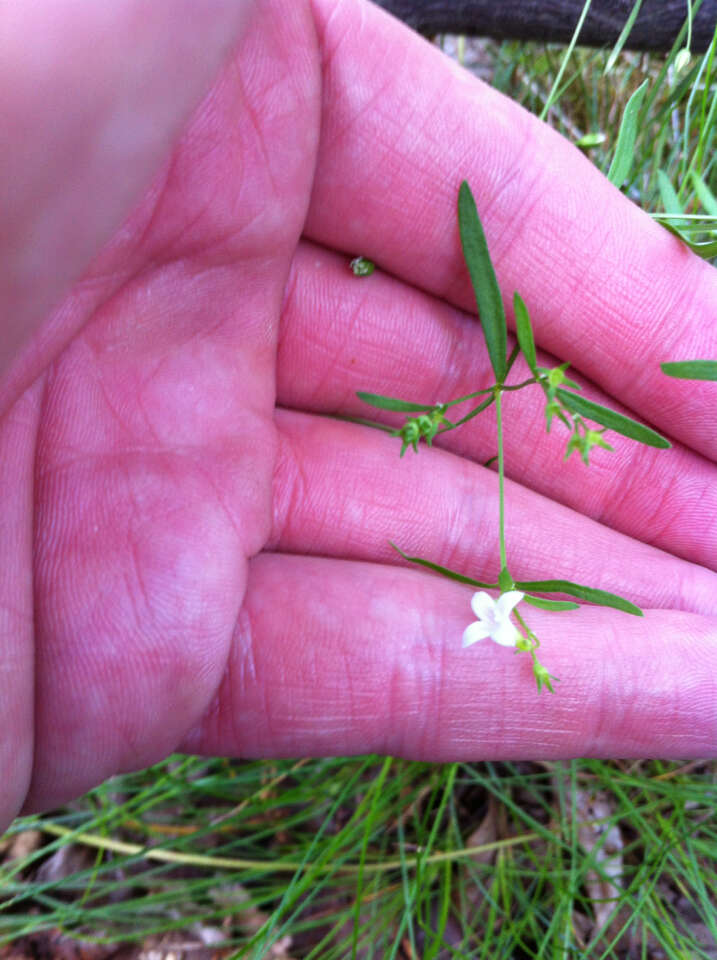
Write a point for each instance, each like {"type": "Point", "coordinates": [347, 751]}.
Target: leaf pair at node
{"type": "Point", "coordinates": [602, 598]}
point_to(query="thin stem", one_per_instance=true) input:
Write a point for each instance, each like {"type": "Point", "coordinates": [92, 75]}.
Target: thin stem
{"type": "Point", "coordinates": [688, 44]}
{"type": "Point", "coordinates": [519, 386]}
{"type": "Point", "coordinates": [515, 353]}
{"type": "Point", "coordinates": [552, 96]}
{"type": "Point", "coordinates": [528, 633]}
{"type": "Point", "coordinates": [162, 855]}
{"type": "Point", "coordinates": [362, 421]}
{"type": "Point", "coordinates": [468, 396]}
{"type": "Point", "coordinates": [469, 416]}
{"type": "Point", "coordinates": [501, 481]}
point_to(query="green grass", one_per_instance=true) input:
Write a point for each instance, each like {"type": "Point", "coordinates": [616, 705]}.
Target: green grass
{"type": "Point", "coordinates": [674, 168]}
{"type": "Point", "coordinates": [382, 857]}
{"type": "Point", "coordinates": [386, 858]}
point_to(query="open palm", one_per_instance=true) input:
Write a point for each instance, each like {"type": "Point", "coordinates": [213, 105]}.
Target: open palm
{"type": "Point", "coordinates": [200, 559]}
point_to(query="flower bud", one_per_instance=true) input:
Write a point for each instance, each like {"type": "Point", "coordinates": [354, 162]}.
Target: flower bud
{"type": "Point", "coordinates": [410, 433]}
{"type": "Point", "coordinates": [682, 60]}
{"type": "Point", "coordinates": [542, 677]}
{"type": "Point", "coordinates": [556, 376]}
{"type": "Point", "coordinates": [362, 266]}
{"type": "Point", "coordinates": [552, 409]}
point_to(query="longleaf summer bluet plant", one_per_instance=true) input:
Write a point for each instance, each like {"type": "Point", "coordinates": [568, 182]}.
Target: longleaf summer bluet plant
{"type": "Point", "coordinates": [501, 619]}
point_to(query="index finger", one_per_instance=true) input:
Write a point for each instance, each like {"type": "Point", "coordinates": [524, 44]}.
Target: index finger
{"type": "Point", "coordinates": [607, 288]}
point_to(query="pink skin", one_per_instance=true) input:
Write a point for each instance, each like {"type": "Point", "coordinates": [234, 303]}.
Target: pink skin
{"type": "Point", "coordinates": [185, 566]}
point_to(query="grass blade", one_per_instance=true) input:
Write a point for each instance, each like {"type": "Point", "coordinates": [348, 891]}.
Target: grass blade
{"type": "Point", "coordinates": [592, 595]}
{"type": "Point", "coordinates": [670, 200]}
{"type": "Point", "coordinates": [613, 420]}
{"type": "Point", "coordinates": [444, 571]}
{"type": "Point", "coordinates": [691, 369]}
{"type": "Point", "coordinates": [624, 150]}
{"type": "Point", "coordinates": [624, 34]}
{"type": "Point", "coordinates": [707, 198]}
{"type": "Point", "coordinates": [483, 278]}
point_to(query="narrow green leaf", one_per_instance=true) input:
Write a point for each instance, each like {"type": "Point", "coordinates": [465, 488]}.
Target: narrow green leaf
{"type": "Point", "coordinates": [624, 34]}
{"type": "Point", "coordinates": [670, 200]}
{"type": "Point", "coordinates": [524, 332]}
{"type": "Point", "coordinates": [444, 571]}
{"type": "Point", "coordinates": [590, 594]}
{"type": "Point", "coordinates": [363, 421]}
{"type": "Point", "coordinates": [691, 369]}
{"type": "Point", "coordinates": [707, 249]}
{"type": "Point", "coordinates": [485, 284]}
{"type": "Point", "coordinates": [555, 605]}
{"type": "Point", "coordinates": [625, 148]}
{"type": "Point", "coordinates": [475, 411]}
{"type": "Point", "coordinates": [707, 198]}
{"type": "Point", "coordinates": [392, 403]}
{"type": "Point", "coordinates": [613, 420]}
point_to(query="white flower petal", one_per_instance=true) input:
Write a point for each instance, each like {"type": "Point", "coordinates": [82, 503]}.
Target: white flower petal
{"type": "Point", "coordinates": [483, 606]}
{"type": "Point", "coordinates": [475, 632]}
{"type": "Point", "coordinates": [506, 634]}
{"type": "Point", "coordinates": [507, 602]}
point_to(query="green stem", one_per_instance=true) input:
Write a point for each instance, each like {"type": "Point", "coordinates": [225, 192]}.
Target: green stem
{"type": "Point", "coordinates": [469, 416]}
{"type": "Point", "coordinates": [528, 634]}
{"type": "Point", "coordinates": [688, 44]}
{"type": "Point", "coordinates": [519, 386]}
{"type": "Point", "coordinates": [501, 479]}
{"type": "Point", "coordinates": [468, 396]}
{"type": "Point", "coordinates": [515, 353]}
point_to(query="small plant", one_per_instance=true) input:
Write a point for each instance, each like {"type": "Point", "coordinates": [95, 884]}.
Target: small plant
{"type": "Point", "coordinates": [500, 620]}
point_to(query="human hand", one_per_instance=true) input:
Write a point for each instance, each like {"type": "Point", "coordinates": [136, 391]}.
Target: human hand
{"type": "Point", "coordinates": [207, 555]}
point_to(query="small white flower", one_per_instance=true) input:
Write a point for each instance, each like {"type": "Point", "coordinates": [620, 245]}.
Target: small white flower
{"type": "Point", "coordinates": [493, 619]}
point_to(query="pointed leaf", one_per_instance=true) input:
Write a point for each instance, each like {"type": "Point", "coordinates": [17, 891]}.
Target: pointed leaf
{"type": "Point", "coordinates": [444, 571]}
{"type": "Point", "coordinates": [555, 605]}
{"type": "Point", "coordinates": [625, 148]}
{"type": "Point", "coordinates": [524, 332]}
{"type": "Point", "coordinates": [707, 198]}
{"type": "Point", "coordinates": [624, 34]}
{"type": "Point", "coordinates": [706, 249]}
{"type": "Point", "coordinates": [364, 422]}
{"type": "Point", "coordinates": [670, 200]}
{"type": "Point", "coordinates": [392, 403]}
{"type": "Point", "coordinates": [485, 284]}
{"type": "Point", "coordinates": [613, 420]}
{"type": "Point", "coordinates": [691, 369]}
{"type": "Point", "coordinates": [590, 594]}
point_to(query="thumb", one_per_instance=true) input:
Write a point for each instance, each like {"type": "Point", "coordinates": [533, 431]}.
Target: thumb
{"type": "Point", "coordinates": [92, 96]}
